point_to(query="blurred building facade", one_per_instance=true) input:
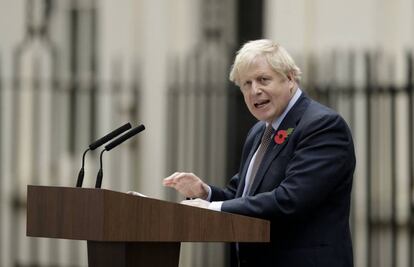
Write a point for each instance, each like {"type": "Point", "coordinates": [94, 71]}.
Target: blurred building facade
{"type": "Point", "coordinates": [70, 71]}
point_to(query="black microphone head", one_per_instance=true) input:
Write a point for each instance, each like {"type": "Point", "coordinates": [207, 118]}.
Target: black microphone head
{"type": "Point", "coordinates": [125, 137]}
{"type": "Point", "coordinates": [140, 128]}
{"type": "Point", "coordinates": [110, 136]}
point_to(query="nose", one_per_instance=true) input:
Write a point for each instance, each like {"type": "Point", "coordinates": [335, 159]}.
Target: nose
{"type": "Point", "coordinates": [256, 88]}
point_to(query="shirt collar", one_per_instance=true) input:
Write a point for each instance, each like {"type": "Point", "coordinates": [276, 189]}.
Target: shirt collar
{"type": "Point", "coordinates": [276, 123]}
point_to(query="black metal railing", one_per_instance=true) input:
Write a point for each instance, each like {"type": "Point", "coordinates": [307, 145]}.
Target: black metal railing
{"type": "Point", "coordinates": [387, 224]}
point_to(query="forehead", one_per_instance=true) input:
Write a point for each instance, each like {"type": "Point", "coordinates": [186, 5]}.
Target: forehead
{"type": "Point", "coordinates": [257, 67]}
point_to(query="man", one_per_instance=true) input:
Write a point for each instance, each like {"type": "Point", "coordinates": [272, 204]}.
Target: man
{"type": "Point", "coordinates": [296, 170]}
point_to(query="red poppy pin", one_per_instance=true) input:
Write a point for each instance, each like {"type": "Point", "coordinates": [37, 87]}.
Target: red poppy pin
{"type": "Point", "coordinates": [281, 135]}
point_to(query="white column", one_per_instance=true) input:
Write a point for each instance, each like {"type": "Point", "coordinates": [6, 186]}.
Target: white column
{"type": "Point", "coordinates": [154, 47]}
{"type": "Point", "coordinates": [117, 58]}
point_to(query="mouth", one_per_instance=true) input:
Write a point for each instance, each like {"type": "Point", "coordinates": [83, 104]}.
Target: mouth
{"type": "Point", "coordinates": [261, 103]}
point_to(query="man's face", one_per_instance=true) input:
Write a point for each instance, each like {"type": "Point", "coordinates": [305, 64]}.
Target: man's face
{"type": "Point", "coordinates": [266, 92]}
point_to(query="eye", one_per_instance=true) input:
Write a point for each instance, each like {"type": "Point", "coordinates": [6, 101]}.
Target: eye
{"type": "Point", "coordinates": [263, 79]}
{"type": "Point", "coordinates": [247, 84]}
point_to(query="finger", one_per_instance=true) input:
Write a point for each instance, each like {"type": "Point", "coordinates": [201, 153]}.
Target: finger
{"type": "Point", "coordinates": [170, 180]}
{"type": "Point", "coordinates": [168, 183]}
{"type": "Point", "coordinates": [171, 176]}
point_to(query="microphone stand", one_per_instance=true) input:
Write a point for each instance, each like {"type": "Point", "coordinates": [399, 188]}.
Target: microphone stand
{"type": "Point", "coordinates": [82, 170]}
{"type": "Point", "coordinates": [100, 172]}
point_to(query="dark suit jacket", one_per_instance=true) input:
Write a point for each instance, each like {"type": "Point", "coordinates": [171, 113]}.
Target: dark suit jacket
{"type": "Point", "coordinates": [303, 187]}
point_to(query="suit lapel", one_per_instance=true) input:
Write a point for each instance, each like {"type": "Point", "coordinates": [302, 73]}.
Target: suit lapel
{"type": "Point", "coordinates": [290, 121]}
{"type": "Point", "coordinates": [256, 143]}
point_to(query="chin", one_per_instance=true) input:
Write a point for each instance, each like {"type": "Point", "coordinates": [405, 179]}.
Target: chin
{"type": "Point", "coordinates": [265, 117]}
{"type": "Point", "coordinates": [261, 118]}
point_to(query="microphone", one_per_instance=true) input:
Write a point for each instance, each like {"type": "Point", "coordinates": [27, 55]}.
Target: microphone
{"type": "Point", "coordinates": [97, 144]}
{"type": "Point", "coordinates": [113, 144]}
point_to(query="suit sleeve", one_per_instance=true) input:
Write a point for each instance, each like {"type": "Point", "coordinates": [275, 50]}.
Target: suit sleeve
{"type": "Point", "coordinates": [322, 162]}
{"type": "Point", "coordinates": [218, 194]}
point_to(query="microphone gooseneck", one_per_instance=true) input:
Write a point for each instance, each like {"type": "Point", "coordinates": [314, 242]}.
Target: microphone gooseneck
{"type": "Point", "coordinates": [82, 170]}
{"type": "Point", "coordinates": [100, 172]}
{"type": "Point", "coordinates": [97, 144]}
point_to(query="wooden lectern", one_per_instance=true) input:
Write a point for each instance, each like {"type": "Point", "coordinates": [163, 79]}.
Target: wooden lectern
{"type": "Point", "coordinates": [126, 230]}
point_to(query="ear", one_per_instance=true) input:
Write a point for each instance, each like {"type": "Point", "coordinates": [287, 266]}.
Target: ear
{"type": "Point", "coordinates": [292, 82]}
{"type": "Point", "coordinates": [290, 77]}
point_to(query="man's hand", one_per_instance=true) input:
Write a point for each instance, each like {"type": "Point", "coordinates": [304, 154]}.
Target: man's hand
{"type": "Point", "coordinates": [187, 184]}
{"type": "Point", "coordinates": [200, 203]}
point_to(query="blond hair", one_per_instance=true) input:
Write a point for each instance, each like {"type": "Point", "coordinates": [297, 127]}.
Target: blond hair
{"type": "Point", "coordinates": [277, 57]}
